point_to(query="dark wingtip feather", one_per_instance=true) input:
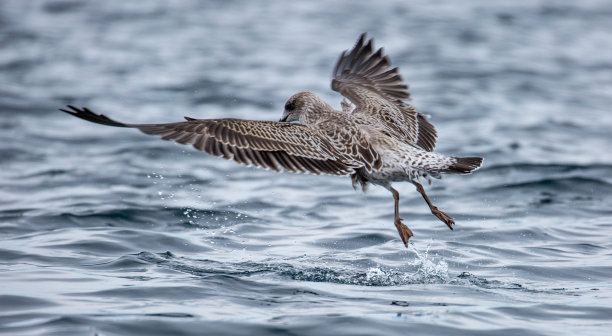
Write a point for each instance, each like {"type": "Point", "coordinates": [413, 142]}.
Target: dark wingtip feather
{"type": "Point", "coordinates": [87, 114]}
{"type": "Point", "coordinates": [362, 38]}
{"type": "Point", "coordinates": [369, 69]}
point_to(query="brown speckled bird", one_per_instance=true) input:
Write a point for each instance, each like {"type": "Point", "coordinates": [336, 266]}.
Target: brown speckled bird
{"type": "Point", "coordinates": [376, 138]}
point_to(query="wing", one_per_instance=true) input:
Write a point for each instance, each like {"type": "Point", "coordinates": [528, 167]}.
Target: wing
{"type": "Point", "coordinates": [271, 145]}
{"type": "Point", "coordinates": [368, 81]}
{"type": "Point", "coordinates": [351, 141]}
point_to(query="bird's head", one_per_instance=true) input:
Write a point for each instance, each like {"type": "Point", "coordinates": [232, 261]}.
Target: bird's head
{"type": "Point", "coordinates": [303, 106]}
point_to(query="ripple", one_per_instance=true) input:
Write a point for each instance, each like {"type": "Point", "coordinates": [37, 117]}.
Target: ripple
{"type": "Point", "coordinates": [558, 184]}
{"type": "Point", "coordinates": [136, 217]}
{"type": "Point", "coordinates": [12, 303]}
{"type": "Point", "coordinates": [108, 231]}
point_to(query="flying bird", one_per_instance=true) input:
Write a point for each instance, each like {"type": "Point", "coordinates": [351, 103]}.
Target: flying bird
{"type": "Point", "coordinates": [376, 138]}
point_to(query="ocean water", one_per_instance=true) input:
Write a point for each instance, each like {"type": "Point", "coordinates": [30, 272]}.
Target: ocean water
{"type": "Point", "coordinates": [108, 231]}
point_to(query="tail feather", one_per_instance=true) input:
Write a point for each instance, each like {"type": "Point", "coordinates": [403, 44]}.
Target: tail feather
{"type": "Point", "coordinates": [464, 165]}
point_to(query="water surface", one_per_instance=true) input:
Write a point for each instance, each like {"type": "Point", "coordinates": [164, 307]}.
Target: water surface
{"type": "Point", "coordinates": [108, 231]}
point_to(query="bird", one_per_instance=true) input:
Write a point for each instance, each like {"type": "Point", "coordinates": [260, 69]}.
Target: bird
{"type": "Point", "coordinates": [377, 137]}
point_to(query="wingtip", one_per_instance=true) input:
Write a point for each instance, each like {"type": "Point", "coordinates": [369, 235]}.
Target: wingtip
{"type": "Point", "coordinates": [365, 40]}
{"type": "Point", "coordinates": [87, 114]}
{"type": "Point", "coordinates": [73, 112]}
{"type": "Point", "coordinates": [361, 41]}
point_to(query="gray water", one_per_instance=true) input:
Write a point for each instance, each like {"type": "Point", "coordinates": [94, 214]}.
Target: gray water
{"type": "Point", "coordinates": [108, 231]}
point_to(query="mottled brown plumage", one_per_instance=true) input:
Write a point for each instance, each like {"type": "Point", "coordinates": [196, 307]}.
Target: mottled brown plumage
{"type": "Point", "coordinates": [376, 138]}
{"type": "Point", "coordinates": [367, 79]}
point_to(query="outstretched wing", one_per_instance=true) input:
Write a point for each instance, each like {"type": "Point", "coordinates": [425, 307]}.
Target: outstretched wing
{"type": "Point", "coordinates": [272, 145]}
{"type": "Point", "coordinates": [365, 77]}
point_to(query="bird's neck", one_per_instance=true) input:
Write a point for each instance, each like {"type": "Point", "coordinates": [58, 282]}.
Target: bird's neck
{"type": "Point", "coordinates": [317, 114]}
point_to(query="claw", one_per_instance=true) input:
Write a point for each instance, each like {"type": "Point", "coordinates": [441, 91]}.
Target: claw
{"type": "Point", "coordinates": [448, 220]}
{"type": "Point", "coordinates": [404, 232]}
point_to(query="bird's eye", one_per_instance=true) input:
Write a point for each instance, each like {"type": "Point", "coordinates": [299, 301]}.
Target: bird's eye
{"type": "Point", "coordinates": [289, 106]}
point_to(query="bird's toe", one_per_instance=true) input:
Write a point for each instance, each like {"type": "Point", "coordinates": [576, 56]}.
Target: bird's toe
{"type": "Point", "coordinates": [404, 232]}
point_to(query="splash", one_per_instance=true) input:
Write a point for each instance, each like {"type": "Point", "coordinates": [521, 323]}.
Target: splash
{"type": "Point", "coordinates": [428, 269]}
{"type": "Point", "coordinates": [424, 269]}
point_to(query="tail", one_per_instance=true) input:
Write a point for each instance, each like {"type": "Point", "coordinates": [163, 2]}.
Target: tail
{"type": "Point", "coordinates": [463, 165]}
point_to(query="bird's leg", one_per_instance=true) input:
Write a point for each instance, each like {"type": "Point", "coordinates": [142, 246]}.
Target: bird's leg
{"type": "Point", "coordinates": [448, 220]}
{"type": "Point", "coordinates": [404, 232]}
